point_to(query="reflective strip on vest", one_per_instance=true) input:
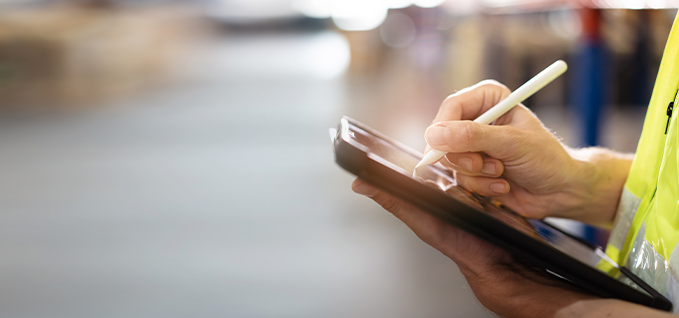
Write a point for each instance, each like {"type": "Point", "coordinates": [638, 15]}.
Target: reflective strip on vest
{"type": "Point", "coordinates": [646, 263]}
{"type": "Point", "coordinates": [629, 203]}
{"type": "Point", "coordinates": [650, 266]}
{"type": "Point", "coordinates": [646, 228]}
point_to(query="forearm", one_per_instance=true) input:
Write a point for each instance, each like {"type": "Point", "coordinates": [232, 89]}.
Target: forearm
{"type": "Point", "coordinates": [532, 301]}
{"type": "Point", "coordinates": [513, 290]}
{"type": "Point", "coordinates": [525, 294]}
{"type": "Point", "coordinates": [600, 175]}
{"type": "Point", "coordinates": [596, 308]}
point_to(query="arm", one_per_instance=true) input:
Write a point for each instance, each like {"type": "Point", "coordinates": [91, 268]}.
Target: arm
{"type": "Point", "coordinates": [504, 285]}
{"type": "Point", "coordinates": [500, 283]}
{"type": "Point", "coordinates": [521, 163]}
{"type": "Point", "coordinates": [603, 175]}
{"type": "Point", "coordinates": [609, 308]}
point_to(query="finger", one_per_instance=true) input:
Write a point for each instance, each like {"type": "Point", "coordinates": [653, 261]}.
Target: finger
{"type": "Point", "coordinates": [470, 253]}
{"type": "Point", "coordinates": [537, 210]}
{"type": "Point", "coordinates": [363, 188]}
{"type": "Point", "coordinates": [429, 228]}
{"type": "Point", "coordinates": [501, 142]}
{"type": "Point", "coordinates": [475, 164]}
{"type": "Point", "coordinates": [483, 186]}
{"type": "Point", "coordinates": [471, 102]}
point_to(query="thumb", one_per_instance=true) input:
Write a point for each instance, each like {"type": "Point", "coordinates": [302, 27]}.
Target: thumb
{"type": "Point", "coordinates": [500, 142]}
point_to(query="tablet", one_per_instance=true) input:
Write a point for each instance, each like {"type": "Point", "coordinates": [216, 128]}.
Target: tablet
{"type": "Point", "coordinates": [389, 165]}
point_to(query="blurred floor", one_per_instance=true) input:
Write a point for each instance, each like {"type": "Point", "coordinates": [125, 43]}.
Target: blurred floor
{"type": "Point", "coordinates": [218, 197]}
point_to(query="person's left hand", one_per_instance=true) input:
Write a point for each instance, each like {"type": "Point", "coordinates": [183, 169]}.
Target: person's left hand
{"type": "Point", "coordinates": [501, 283]}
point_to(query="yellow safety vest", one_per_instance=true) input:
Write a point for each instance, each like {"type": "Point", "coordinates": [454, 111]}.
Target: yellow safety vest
{"type": "Point", "coordinates": [646, 228]}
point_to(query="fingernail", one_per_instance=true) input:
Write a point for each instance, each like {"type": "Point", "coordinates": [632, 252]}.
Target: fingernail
{"type": "Point", "coordinates": [437, 135]}
{"type": "Point", "coordinates": [499, 188]}
{"type": "Point", "coordinates": [466, 163]}
{"type": "Point", "coordinates": [489, 168]}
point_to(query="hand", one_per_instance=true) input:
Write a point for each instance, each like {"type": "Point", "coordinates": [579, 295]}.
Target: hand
{"type": "Point", "coordinates": [505, 286]}
{"type": "Point", "coordinates": [501, 283]}
{"type": "Point", "coordinates": [520, 163]}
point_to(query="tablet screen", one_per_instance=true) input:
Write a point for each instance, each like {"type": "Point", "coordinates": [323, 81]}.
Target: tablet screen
{"type": "Point", "coordinates": [398, 158]}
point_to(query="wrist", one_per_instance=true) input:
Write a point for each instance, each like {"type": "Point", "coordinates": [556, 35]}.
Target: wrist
{"type": "Point", "coordinates": [596, 308]}
{"type": "Point", "coordinates": [597, 182]}
{"type": "Point", "coordinates": [514, 291]}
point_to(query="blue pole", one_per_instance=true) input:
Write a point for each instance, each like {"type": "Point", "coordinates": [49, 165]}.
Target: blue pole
{"type": "Point", "coordinates": [588, 89]}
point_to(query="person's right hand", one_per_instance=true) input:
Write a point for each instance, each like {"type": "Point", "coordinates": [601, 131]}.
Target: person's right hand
{"type": "Point", "coordinates": [520, 163]}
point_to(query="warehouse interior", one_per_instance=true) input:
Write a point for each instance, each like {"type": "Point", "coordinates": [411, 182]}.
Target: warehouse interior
{"type": "Point", "coordinates": [165, 158]}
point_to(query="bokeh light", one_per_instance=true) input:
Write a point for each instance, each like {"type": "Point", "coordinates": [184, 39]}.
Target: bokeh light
{"type": "Point", "coordinates": [358, 15]}
{"type": "Point", "coordinates": [170, 158]}
{"type": "Point", "coordinates": [398, 30]}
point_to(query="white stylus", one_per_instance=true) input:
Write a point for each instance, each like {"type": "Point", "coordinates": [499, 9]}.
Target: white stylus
{"type": "Point", "coordinates": [519, 95]}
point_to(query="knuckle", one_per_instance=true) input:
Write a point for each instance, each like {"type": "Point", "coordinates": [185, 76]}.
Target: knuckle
{"type": "Point", "coordinates": [451, 108]}
{"type": "Point", "coordinates": [466, 134]}
{"type": "Point", "coordinates": [493, 84]}
{"type": "Point", "coordinates": [450, 98]}
{"type": "Point", "coordinates": [468, 163]}
{"type": "Point", "coordinates": [462, 173]}
{"type": "Point", "coordinates": [463, 180]}
{"type": "Point", "coordinates": [451, 102]}
{"type": "Point", "coordinates": [473, 184]}
{"type": "Point", "coordinates": [388, 203]}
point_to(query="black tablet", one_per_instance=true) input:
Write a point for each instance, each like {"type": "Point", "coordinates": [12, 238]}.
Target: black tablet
{"type": "Point", "coordinates": [389, 165]}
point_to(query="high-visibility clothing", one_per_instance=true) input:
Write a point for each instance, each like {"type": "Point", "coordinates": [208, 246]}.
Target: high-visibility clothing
{"type": "Point", "coordinates": [646, 228]}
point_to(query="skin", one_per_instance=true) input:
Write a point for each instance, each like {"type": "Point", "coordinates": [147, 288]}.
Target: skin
{"type": "Point", "coordinates": [537, 176]}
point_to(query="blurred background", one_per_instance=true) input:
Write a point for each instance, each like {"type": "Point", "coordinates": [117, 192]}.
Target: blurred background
{"type": "Point", "coordinates": [171, 158]}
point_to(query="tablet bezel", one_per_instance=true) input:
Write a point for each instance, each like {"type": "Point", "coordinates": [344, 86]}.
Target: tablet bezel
{"type": "Point", "coordinates": [357, 159]}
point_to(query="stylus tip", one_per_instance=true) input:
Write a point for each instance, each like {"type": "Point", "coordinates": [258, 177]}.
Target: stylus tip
{"type": "Point", "coordinates": [430, 157]}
